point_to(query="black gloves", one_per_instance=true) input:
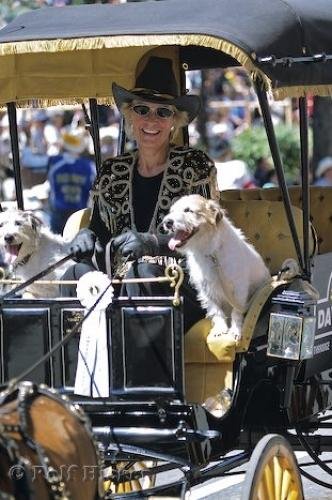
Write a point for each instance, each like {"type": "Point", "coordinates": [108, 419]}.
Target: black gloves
{"type": "Point", "coordinates": [83, 245]}
{"type": "Point", "coordinates": [134, 245]}
{"type": "Point", "coordinates": [131, 244]}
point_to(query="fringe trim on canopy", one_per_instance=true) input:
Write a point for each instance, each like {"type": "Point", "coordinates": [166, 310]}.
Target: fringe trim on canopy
{"type": "Point", "coordinates": [121, 41]}
{"type": "Point", "coordinates": [95, 43]}
{"type": "Point", "coordinates": [57, 101]}
{"type": "Point", "coordinates": [301, 91]}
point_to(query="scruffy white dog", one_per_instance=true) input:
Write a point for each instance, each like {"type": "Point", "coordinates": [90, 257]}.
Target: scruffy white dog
{"type": "Point", "coordinates": [224, 268]}
{"type": "Point", "coordinates": [30, 247]}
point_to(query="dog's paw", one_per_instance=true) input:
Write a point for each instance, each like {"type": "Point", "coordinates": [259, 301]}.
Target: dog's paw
{"type": "Point", "coordinates": [222, 346]}
{"type": "Point", "coordinates": [216, 330]}
{"type": "Point", "coordinates": [235, 332]}
{"type": "Point", "coordinates": [219, 326]}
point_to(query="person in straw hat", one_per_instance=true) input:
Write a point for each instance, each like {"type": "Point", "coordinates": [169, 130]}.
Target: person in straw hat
{"type": "Point", "coordinates": [134, 191]}
{"type": "Point", "coordinates": [71, 176]}
{"type": "Point", "coordinates": [324, 172]}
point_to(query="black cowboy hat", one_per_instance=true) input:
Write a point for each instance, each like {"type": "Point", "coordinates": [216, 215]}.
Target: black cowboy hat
{"type": "Point", "coordinates": [157, 83]}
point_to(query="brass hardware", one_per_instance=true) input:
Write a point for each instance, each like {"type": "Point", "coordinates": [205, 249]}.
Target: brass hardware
{"type": "Point", "coordinates": [175, 275]}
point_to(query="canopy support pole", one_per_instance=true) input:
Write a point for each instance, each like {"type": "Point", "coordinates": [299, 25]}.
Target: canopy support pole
{"type": "Point", "coordinates": [275, 152]}
{"type": "Point", "coordinates": [95, 132]}
{"type": "Point", "coordinates": [183, 90]}
{"type": "Point", "coordinates": [305, 184]}
{"type": "Point", "coordinates": [121, 137]}
{"type": "Point", "coordinates": [11, 110]}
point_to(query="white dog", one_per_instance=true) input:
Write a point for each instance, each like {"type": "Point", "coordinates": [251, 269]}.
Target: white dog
{"type": "Point", "coordinates": [224, 268]}
{"type": "Point", "coordinates": [30, 247]}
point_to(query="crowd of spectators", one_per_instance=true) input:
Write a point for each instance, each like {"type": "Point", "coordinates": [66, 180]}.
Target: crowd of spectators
{"type": "Point", "coordinates": [232, 107]}
{"type": "Point", "coordinates": [44, 137]}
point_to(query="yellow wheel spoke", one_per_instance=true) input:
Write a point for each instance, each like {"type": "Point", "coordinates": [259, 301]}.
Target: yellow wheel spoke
{"type": "Point", "coordinates": [134, 485]}
{"type": "Point", "coordinates": [277, 470]}
{"type": "Point", "coordinates": [262, 492]}
{"type": "Point", "coordinates": [286, 482]}
{"type": "Point", "coordinates": [107, 485]}
{"type": "Point", "coordinates": [120, 488]}
{"type": "Point", "coordinates": [268, 479]}
{"type": "Point", "coordinates": [141, 483]}
{"type": "Point", "coordinates": [293, 495]}
{"type": "Point", "coordinates": [146, 482]}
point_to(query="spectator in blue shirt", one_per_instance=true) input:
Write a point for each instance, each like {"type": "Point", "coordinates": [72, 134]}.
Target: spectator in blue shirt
{"type": "Point", "coordinates": [71, 176]}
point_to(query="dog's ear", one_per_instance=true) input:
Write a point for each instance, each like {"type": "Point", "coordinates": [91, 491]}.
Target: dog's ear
{"type": "Point", "coordinates": [215, 212]}
{"type": "Point", "coordinates": [35, 221]}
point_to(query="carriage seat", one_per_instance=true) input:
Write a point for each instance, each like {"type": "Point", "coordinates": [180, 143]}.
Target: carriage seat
{"type": "Point", "coordinates": [263, 222]}
{"type": "Point", "coordinates": [320, 207]}
{"type": "Point", "coordinates": [265, 226]}
{"type": "Point", "coordinates": [76, 221]}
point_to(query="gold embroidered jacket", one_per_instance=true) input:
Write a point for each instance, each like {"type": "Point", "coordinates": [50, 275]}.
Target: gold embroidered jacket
{"type": "Point", "coordinates": [189, 171]}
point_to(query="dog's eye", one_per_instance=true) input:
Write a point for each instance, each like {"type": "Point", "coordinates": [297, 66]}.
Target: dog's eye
{"type": "Point", "coordinates": [187, 209]}
{"type": "Point", "coordinates": [1, 224]}
{"type": "Point", "coordinates": [18, 223]}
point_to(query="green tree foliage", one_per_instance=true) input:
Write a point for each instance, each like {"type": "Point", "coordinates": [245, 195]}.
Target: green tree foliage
{"type": "Point", "coordinates": [252, 144]}
{"type": "Point", "coordinates": [9, 9]}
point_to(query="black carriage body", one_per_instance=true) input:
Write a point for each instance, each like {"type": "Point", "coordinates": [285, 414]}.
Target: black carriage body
{"type": "Point", "coordinates": [145, 338]}
{"type": "Point", "coordinates": [322, 281]}
{"type": "Point", "coordinates": [146, 349]}
{"type": "Point", "coordinates": [147, 375]}
{"type": "Point", "coordinates": [278, 394]}
{"type": "Point", "coordinates": [29, 329]}
{"type": "Point", "coordinates": [147, 404]}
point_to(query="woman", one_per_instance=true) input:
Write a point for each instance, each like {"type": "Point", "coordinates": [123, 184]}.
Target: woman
{"type": "Point", "coordinates": [134, 191]}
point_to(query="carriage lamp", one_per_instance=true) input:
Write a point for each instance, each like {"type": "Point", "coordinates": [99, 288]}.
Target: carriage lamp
{"type": "Point", "coordinates": [292, 326]}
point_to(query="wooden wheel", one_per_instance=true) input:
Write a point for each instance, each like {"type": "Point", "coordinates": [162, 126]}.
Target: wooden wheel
{"type": "Point", "coordinates": [273, 473]}
{"type": "Point", "coordinates": [143, 482]}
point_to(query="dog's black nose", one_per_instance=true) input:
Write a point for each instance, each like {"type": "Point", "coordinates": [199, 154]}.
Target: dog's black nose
{"type": "Point", "coordinates": [9, 238]}
{"type": "Point", "coordinates": [169, 224]}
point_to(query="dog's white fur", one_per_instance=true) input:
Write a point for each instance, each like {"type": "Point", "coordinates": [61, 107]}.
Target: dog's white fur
{"type": "Point", "coordinates": [224, 268]}
{"type": "Point", "coordinates": [29, 248]}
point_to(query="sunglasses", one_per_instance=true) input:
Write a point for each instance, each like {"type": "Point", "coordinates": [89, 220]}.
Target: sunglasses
{"type": "Point", "coordinates": [144, 110]}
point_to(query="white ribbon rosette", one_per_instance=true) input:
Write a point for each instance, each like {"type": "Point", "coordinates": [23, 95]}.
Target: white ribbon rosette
{"type": "Point", "coordinates": [92, 373]}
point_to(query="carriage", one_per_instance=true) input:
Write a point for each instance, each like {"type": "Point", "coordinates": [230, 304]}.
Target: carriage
{"type": "Point", "coordinates": [175, 405]}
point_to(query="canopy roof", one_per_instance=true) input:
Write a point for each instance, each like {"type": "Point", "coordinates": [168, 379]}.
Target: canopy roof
{"type": "Point", "coordinates": [58, 55]}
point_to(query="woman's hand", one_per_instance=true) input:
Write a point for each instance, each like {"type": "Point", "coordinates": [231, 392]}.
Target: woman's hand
{"type": "Point", "coordinates": [83, 245]}
{"type": "Point", "coordinates": [134, 245]}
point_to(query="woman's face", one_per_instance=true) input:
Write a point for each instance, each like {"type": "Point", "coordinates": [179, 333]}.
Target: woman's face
{"type": "Point", "coordinates": [151, 130]}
